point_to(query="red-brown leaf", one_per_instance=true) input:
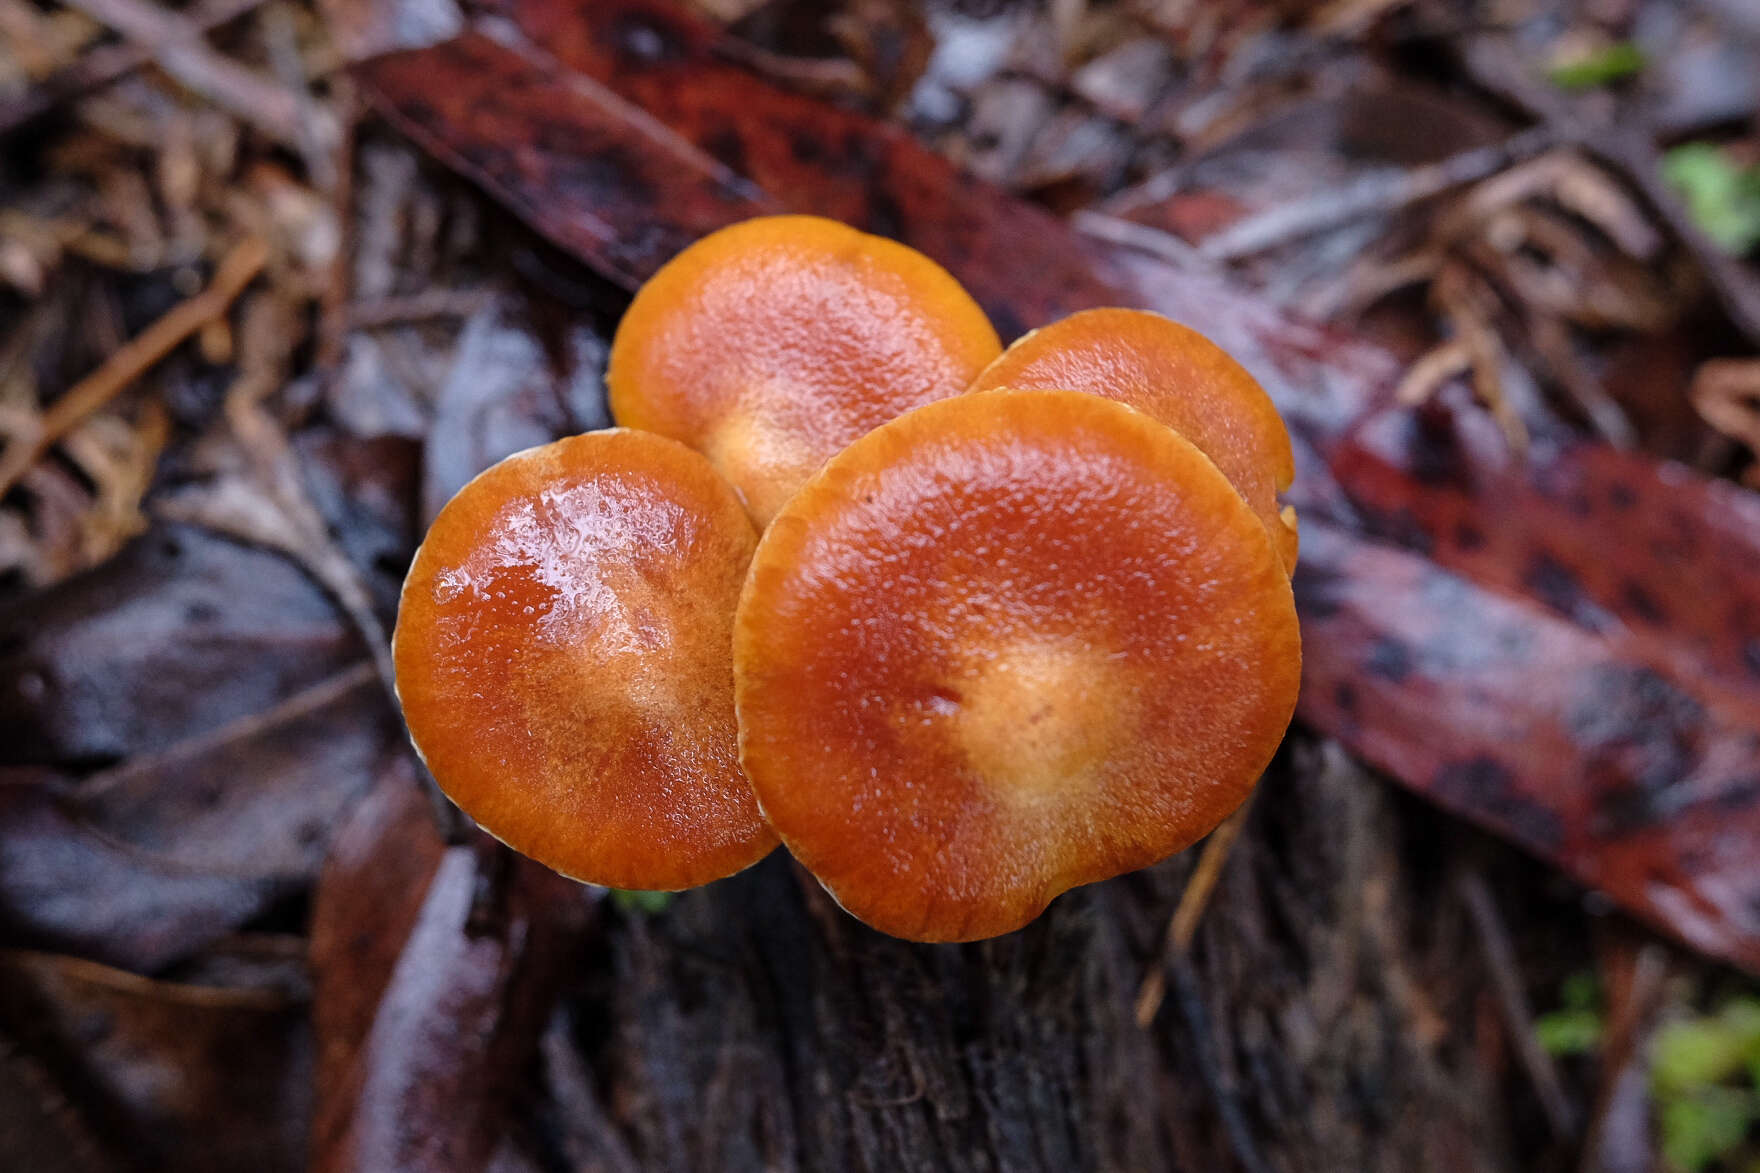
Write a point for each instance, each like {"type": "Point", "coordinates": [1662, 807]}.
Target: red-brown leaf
{"type": "Point", "coordinates": [425, 1019]}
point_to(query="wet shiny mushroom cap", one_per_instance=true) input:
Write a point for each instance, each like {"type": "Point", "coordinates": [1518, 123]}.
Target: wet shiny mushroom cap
{"type": "Point", "coordinates": [1182, 379]}
{"type": "Point", "coordinates": [563, 659]}
{"type": "Point", "coordinates": [1007, 644]}
{"type": "Point", "coordinates": [771, 344]}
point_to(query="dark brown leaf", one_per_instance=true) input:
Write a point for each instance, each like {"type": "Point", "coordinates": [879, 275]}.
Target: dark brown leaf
{"type": "Point", "coordinates": [257, 797]}
{"type": "Point", "coordinates": [141, 864]}
{"type": "Point", "coordinates": [66, 887]}
{"type": "Point", "coordinates": [435, 973]}
{"type": "Point", "coordinates": [801, 154]}
{"type": "Point", "coordinates": [177, 635]}
{"type": "Point", "coordinates": [367, 900]}
{"type": "Point", "coordinates": [597, 162]}
{"type": "Point", "coordinates": [174, 1077]}
{"type": "Point", "coordinates": [1640, 781]}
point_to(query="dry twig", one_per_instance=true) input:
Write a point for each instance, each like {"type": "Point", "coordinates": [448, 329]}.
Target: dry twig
{"type": "Point", "coordinates": [1726, 394]}
{"type": "Point", "coordinates": [1623, 1103]}
{"type": "Point", "coordinates": [236, 271]}
{"type": "Point", "coordinates": [176, 43]}
{"type": "Point", "coordinates": [104, 65]}
{"type": "Point", "coordinates": [1512, 999]}
{"type": "Point", "coordinates": [1190, 910]}
{"type": "Point", "coordinates": [1629, 147]}
{"type": "Point", "coordinates": [1376, 192]}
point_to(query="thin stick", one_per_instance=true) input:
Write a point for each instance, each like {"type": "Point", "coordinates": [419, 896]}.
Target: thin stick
{"type": "Point", "coordinates": [1629, 147]}
{"type": "Point", "coordinates": [415, 307]}
{"type": "Point", "coordinates": [1190, 910]}
{"type": "Point", "coordinates": [102, 66]}
{"type": "Point", "coordinates": [137, 355]}
{"type": "Point", "coordinates": [1211, 1070]}
{"type": "Point", "coordinates": [176, 45]}
{"type": "Point", "coordinates": [1141, 237]}
{"type": "Point", "coordinates": [1518, 1015]}
{"type": "Point", "coordinates": [1377, 192]}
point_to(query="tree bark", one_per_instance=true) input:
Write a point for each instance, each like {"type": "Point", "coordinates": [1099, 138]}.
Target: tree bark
{"type": "Point", "coordinates": [753, 1025]}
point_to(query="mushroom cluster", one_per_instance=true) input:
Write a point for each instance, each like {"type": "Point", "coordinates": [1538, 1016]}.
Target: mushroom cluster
{"type": "Point", "coordinates": [961, 627]}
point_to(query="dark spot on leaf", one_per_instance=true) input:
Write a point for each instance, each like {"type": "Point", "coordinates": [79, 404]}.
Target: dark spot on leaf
{"type": "Point", "coordinates": [1469, 536]}
{"type": "Point", "coordinates": [1557, 586]}
{"type": "Point", "coordinates": [1751, 656]}
{"type": "Point", "coordinates": [1400, 526]}
{"type": "Point", "coordinates": [1319, 591]}
{"type": "Point", "coordinates": [1621, 496]}
{"type": "Point", "coordinates": [1484, 787]}
{"type": "Point", "coordinates": [1389, 659]}
{"type": "Point", "coordinates": [642, 40]}
{"type": "Point", "coordinates": [1433, 450]}
{"type": "Point", "coordinates": [1639, 735]}
{"type": "Point", "coordinates": [806, 147]}
{"type": "Point", "coordinates": [857, 156]}
{"type": "Point", "coordinates": [420, 112]}
{"type": "Point", "coordinates": [1621, 701]}
{"type": "Point", "coordinates": [1739, 795]}
{"type": "Point", "coordinates": [884, 217]}
{"type": "Point", "coordinates": [1641, 603]}
{"type": "Point", "coordinates": [1346, 697]}
{"type": "Point", "coordinates": [728, 148]}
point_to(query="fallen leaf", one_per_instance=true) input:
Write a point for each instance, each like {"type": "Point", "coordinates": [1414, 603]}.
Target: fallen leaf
{"type": "Point", "coordinates": [257, 797]}
{"type": "Point", "coordinates": [501, 396]}
{"type": "Point", "coordinates": [368, 896]}
{"type": "Point", "coordinates": [66, 887]}
{"type": "Point", "coordinates": [538, 129]}
{"type": "Point", "coordinates": [182, 1077]}
{"type": "Point", "coordinates": [435, 971]}
{"type": "Point", "coordinates": [622, 65]}
{"type": "Point", "coordinates": [178, 634]}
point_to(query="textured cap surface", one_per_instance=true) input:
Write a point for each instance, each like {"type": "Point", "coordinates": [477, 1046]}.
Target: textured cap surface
{"type": "Point", "coordinates": [771, 344]}
{"type": "Point", "coordinates": [1179, 377]}
{"type": "Point", "coordinates": [563, 659]}
{"type": "Point", "coordinates": [1007, 644]}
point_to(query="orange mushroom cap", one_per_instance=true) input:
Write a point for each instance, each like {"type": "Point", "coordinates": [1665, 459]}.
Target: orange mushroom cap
{"type": "Point", "coordinates": [1182, 379]}
{"type": "Point", "coordinates": [1004, 645]}
{"type": "Point", "coordinates": [771, 344]}
{"type": "Point", "coordinates": [563, 659]}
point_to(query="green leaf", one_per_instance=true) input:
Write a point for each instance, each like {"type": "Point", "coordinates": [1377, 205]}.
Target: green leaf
{"type": "Point", "coordinates": [1703, 1052]}
{"type": "Point", "coordinates": [1700, 1128]}
{"type": "Point", "coordinates": [1602, 67]}
{"type": "Point", "coordinates": [1569, 1032]}
{"type": "Point", "coordinates": [628, 900]}
{"type": "Point", "coordinates": [1581, 991]}
{"type": "Point", "coordinates": [1722, 198]}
